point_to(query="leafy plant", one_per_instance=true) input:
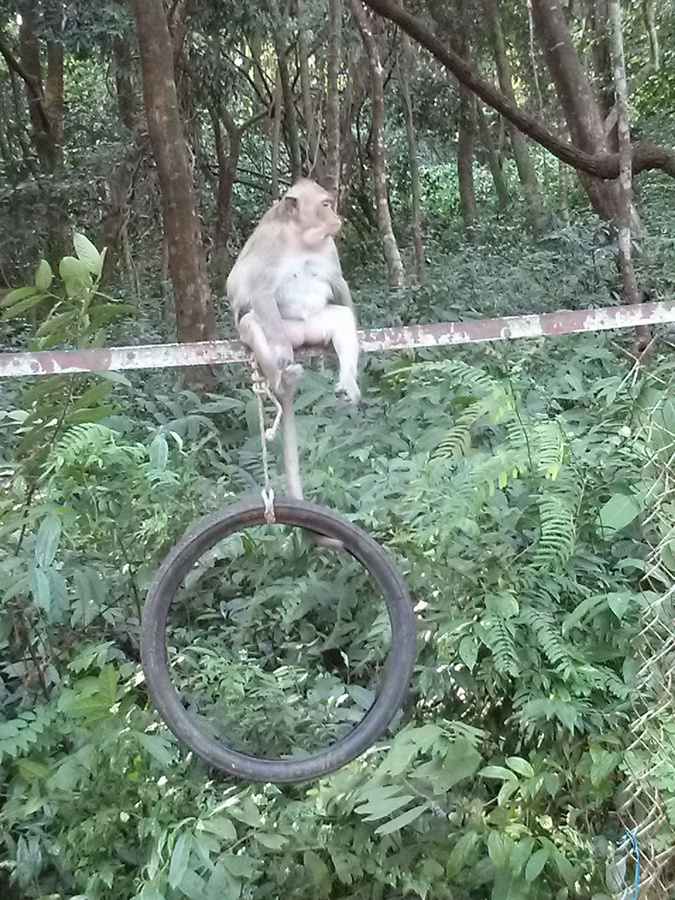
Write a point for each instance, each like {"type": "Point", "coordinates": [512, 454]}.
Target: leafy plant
{"type": "Point", "coordinates": [524, 491]}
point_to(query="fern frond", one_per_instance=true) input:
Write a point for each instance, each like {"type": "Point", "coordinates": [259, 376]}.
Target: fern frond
{"type": "Point", "coordinates": [81, 442]}
{"type": "Point", "coordinates": [547, 633]}
{"type": "Point", "coordinates": [471, 379]}
{"type": "Point", "coordinates": [456, 445]}
{"type": "Point", "coordinates": [550, 449]}
{"type": "Point", "coordinates": [557, 531]}
{"type": "Point", "coordinates": [93, 444]}
{"type": "Point", "coordinates": [500, 639]}
{"type": "Point", "coordinates": [540, 442]}
{"type": "Point", "coordinates": [489, 409]}
{"type": "Point", "coordinates": [19, 735]}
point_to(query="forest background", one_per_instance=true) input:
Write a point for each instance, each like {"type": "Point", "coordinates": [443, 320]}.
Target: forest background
{"type": "Point", "coordinates": [524, 488]}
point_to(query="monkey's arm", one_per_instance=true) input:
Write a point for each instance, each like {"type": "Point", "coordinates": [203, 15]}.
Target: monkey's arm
{"type": "Point", "coordinates": [252, 292]}
{"type": "Point", "coordinates": [252, 286]}
{"type": "Point", "coordinates": [341, 293]}
{"type": "Point", "coordinates": [261, 308]}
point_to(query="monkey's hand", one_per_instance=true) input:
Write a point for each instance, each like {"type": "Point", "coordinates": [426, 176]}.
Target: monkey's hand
{"type": "Point", "coordinates": [282, 352]}
{"type": "Point", "coordinates": [348, 391]}
{"type": "Point", "coordinates": [289, 378]}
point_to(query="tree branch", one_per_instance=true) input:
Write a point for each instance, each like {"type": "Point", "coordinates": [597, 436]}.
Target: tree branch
{"type": "Point", "coordinates": [32, 83]}
{"type": "Point", "coordinates": [645, 155]}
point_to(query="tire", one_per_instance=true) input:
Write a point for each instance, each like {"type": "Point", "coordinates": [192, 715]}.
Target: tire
{"type": "Point", "coordinates": [398, 670]}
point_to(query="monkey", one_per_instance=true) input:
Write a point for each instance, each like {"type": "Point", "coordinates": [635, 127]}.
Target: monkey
{"type": "Point", "coordinates": [287, 291]}
{"type": "Point", "coordinates": [282, 285]}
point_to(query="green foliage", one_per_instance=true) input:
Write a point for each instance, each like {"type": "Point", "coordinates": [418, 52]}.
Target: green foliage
{"type": "Point", "coordinates": [501, 775]}
{"type": "Point", "coordinates": [74, 313]}
{"type": "Point", "coordinates": [525, 491]}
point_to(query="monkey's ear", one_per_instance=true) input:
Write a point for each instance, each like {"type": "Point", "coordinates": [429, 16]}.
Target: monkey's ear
{"type": "Point", "coordinates": [291, 206]}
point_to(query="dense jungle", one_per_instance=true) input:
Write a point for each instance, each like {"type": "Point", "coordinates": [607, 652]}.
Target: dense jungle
{"type": "Point", "coordinates": [489, 159]}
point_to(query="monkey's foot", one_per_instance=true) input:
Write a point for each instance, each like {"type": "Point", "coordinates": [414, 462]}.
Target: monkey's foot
{"type": "Point", "coordinates": [290, 376]}
{"type": "Point", "coordinates": [348, 391]}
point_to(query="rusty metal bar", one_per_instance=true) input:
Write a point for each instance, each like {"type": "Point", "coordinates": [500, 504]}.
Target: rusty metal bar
{"type": "Point", "coordinates": [408, 337]}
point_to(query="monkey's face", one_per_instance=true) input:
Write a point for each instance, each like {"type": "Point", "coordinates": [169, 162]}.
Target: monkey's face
{"type": "Point", "coordinates": [327, 214]}
{"type": "Point", "coordinates": [313, 209]}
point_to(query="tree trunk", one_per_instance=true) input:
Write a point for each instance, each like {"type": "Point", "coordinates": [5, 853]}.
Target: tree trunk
{"type": "Point", "coordinates": [227, 171]}
{"type": "Point", "coordinates": [582, 113]}
{"type": "Point", "coordinates": [601, 54]}
{"type": "Point", "coordinates": [276, 135]}
{"type": "Point", "coordinates": [5, 150]}
{"type": "Point", "coordinates": [54, 102]}
{"type": "Point", "coordinates": [453, 24]}
{"type": "Point", "coordinates": [466, 131]}
{"type": "Point", "coordinates": [502, 191]}
{"type": "Point", "coordinates": [306, 89]}
{"type": "Point", "coordinates": [119, 188]}
{"type": "Point", "coordinates": [563, 193]}
{"type": "Point", "coordinates": [290, 118]}
{"type": "Point", "coordinates": [649, 15]}
{"type": "Point", "coordinates": [256, 45]}
{"type": "Point", "coordinates": [351, 104]}
{"type": "Point", "coordinates": [466, 141]}
{"type": "Point", "coordinates": [195, 319]}
{"type": "Point", "coordinates": [404, 69]}
{"type": "Point", "coordinates": [392, 255]}
{"type": "Point", "coordinates": [521, 155]}
{"type": "Point", "coordinates": [45, 104]}
{"type": "Point", "coordinates": [120, 183]}
{"type": "Point", "coordinates": [630, 291]}
{"type": "Point", "coordinates": [124, 86]}
{"type": "Point", "coordinates": [331, 178]}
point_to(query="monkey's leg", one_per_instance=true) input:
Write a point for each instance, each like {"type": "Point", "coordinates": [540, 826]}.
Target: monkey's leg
{"type": "Point", "coordinates": [335, 325]}
{"type": "Point", "coordinates": [346, 343]}
{"type": "Point", "coordinates": [276, 363]}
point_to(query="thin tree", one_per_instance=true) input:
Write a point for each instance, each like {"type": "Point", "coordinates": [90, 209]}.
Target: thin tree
{"type": "Point", "coordinates": [289, 118]}
{"type": "Point", "coordinates": [41, 70]}
{"type": "Point", "coordinates": [625, 184]}
{"type": "Point", "coordinates": [502, 191]}
{"type": "Point", "coordinates": [405, 63]}
{"type": "Point", "coordinates": [331, 178]}
{"type": "Point", "coordinates": [521, 154]}
{"type": "Point", "coordinates": [392, 255]}
{"type": "Point", "coordinates": [195, 319]}
{"type": "Point", "coordinates": [306, 87]}
{"type": "Point", "coordinates": [454, 26]}
{"type": "Point", "coordinates": [466, 131]}
{"type": "Point", "coordinates": [228, 159]}
{"type": "Point", "coordinates": [276, 133]}
{"type": "Point", "coordinates": [649, 16]}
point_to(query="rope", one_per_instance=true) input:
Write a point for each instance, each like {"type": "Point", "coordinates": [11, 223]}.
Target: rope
{"type": "Point", "coordinates": [261, 390]}
{"type": "Point", "coordinates": [629, 839]}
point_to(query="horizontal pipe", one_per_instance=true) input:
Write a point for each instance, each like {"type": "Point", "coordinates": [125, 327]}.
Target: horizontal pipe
{"type": "Point", "coordinates": [374, 340]}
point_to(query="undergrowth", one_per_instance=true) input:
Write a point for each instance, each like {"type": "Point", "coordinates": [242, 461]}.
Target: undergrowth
{"type": "Point", "coordinates": [524, 491]}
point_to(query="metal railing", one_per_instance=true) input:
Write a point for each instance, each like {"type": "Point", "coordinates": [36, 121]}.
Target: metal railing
{"type": "Point", "coordinates": [374, 340]}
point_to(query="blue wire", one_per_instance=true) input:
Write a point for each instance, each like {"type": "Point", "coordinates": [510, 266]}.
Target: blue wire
{"type": "Point", "coordinates": [636, 854]}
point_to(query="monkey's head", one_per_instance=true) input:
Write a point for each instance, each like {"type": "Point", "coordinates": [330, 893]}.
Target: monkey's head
{"type": "Point", "coordinates": [312, 209]}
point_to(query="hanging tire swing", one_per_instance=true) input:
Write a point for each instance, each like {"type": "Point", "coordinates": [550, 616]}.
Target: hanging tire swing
{"type": "Point", "coordinates": [397, 672]}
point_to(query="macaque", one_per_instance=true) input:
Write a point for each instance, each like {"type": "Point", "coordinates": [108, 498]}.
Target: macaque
{"type": "Point", "coordinates": [287, 291]}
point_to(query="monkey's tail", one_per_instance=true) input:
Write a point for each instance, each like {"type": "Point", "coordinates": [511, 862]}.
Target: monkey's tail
{"type": "Point", "coordinates": [291, 455]}
{"type": "Point", "coordinates": [292, 467]}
